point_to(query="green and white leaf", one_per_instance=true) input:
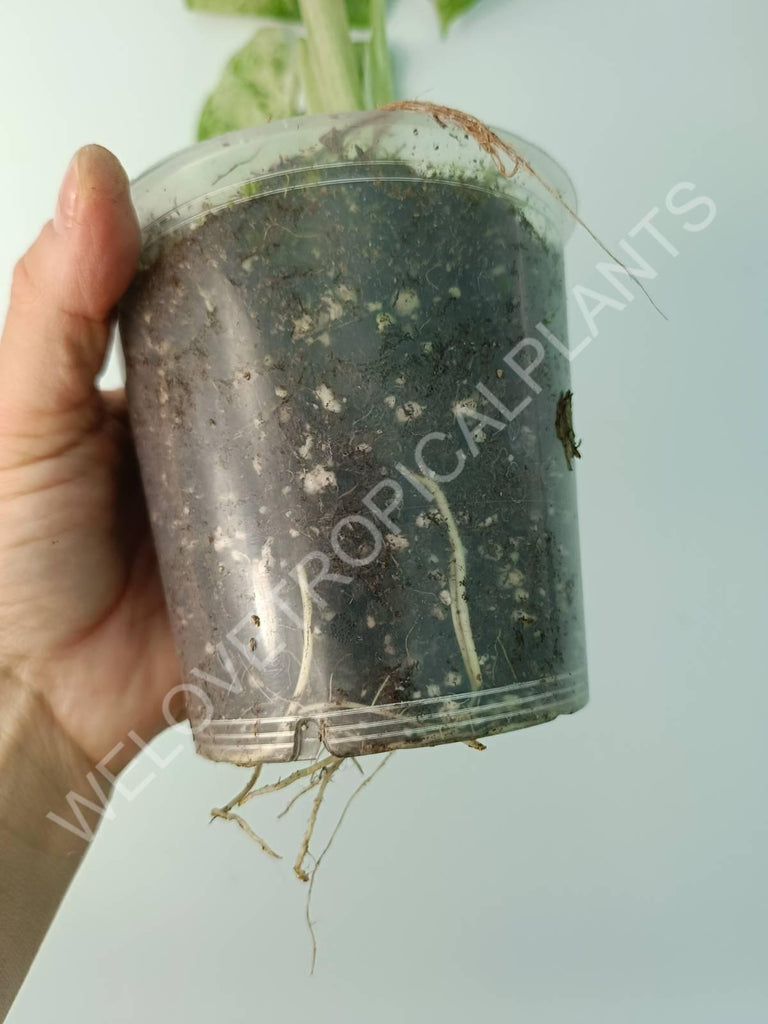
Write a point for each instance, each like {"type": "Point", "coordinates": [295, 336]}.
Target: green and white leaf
{"type": "Point", "coordinates": [285, 10]}
{"type": "Point", "coordinates": [259, 83]}
{"type": "Point", "coordinates": [358, 11]}
{"type": "Point", "coordinates": [449, 10]}
{"type": "Point", "coordinates": [377, 68]}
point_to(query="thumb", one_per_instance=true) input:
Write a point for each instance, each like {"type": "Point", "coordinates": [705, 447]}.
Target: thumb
{"type": "Point", "coordinates": [64, 290]}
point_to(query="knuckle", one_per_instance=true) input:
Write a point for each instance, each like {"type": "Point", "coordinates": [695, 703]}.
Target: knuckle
{"type": "Point", "coordinates": [23, 287]}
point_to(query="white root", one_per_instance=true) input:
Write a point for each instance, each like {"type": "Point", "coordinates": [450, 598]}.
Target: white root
{"type": "Point", "coordinates": [305, 788]}
{"type": "Point", "coordinates": [328, 774]}
{"type": "Point", "coordinates": [306, 653]}
{"type": "Point", "coordinates": [300, 773]}
{"type": "Point", "coordinates": [457, 575]}
{"type": "Point", "coordinates": [242, 795]}
{"type": "Point", "coordinates": [328, 845]}
{"type": "Point", "coordinates": [220, 812]}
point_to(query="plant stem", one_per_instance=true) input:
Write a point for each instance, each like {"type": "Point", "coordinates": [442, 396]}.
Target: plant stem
{"type": "Point", "coordinates": [378, 72]}
{"type": "Point", "coordinates": [331, 55]}
{"type": "Point", "coordinates": [312, 100]}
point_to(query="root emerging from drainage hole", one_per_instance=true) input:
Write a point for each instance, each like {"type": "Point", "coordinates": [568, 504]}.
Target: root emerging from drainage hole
{"type": "Point", "coordinates": [327, 847]}
{"type": "Point", "coordinates": [320, 774]}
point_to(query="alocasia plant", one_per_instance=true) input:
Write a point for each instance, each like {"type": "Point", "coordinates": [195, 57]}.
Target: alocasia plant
{"type": "Point", "coordinates": [284, 71]}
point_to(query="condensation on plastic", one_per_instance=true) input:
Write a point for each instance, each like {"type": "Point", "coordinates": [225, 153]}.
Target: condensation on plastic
{"type": "Point", "coordinates": [203, 501]}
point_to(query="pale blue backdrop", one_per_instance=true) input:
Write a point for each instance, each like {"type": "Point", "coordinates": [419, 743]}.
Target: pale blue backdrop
{"type": "Point", "coordinates": [609, 867]}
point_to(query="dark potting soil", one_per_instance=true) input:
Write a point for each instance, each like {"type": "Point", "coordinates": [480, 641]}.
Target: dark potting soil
{"type": "Point", "coordinates": [285, 356]}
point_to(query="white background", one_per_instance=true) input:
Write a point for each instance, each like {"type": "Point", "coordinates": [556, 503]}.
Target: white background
{"type": "Point", "coordinates": [610, 867]}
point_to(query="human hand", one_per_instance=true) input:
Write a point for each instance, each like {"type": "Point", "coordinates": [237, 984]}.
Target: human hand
{"type": "Point", "coordinates": [82, 615]}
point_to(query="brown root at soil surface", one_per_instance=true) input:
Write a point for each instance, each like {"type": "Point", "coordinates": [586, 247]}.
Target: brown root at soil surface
{"type": "Point", "coordinates": [498, 149]}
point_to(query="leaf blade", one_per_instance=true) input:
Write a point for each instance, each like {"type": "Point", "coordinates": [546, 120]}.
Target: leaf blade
{"type": "Point", "coordinates": [285, 10]}
{"type": "Point", "coordinates": [259, 82]}
{"type": "Point", "coordinates": [449, 10]}
{"type": "Point", "coordinates": [358, 11]}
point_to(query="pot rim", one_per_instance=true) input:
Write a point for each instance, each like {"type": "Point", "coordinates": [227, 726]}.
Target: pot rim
{"type": "Point", "coordinates": [207, 176]}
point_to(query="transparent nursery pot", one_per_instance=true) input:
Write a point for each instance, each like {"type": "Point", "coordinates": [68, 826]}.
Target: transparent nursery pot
{"type": "Point", "coordinates": [347, 386]}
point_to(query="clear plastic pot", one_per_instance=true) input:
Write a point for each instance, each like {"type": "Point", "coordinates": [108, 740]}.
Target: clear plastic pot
{"type": "Point", "coordinates": [350, 406]}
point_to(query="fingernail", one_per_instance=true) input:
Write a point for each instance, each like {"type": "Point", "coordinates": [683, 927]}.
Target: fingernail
{"type": "Point", "coordinates": [69, 194]}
